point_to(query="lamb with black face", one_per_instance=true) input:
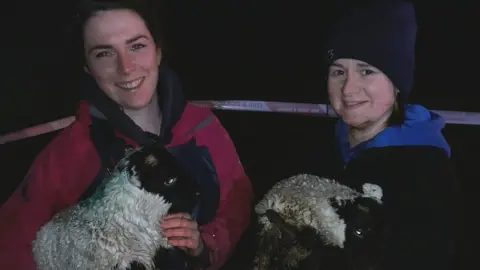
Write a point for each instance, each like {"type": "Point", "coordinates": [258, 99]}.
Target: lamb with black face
{"type": "Point", "coordinates": [158, 173]}
{"type": "Point", "coordinates": [366, 232]}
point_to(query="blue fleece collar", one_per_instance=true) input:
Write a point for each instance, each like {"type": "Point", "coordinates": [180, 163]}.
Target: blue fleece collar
{"type": "Point", "coordinates": [421, 127]}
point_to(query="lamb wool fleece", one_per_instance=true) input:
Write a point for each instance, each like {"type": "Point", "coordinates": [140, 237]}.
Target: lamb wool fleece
{"type": "Point", "coordinates": [119, 224]}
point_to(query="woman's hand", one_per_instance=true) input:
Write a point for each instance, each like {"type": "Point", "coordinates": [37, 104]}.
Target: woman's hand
{"type": "Point", "coordinates": [181, 231]}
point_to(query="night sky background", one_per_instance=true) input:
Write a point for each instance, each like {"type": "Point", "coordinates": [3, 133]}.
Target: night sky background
{"type": "Point", "coordinates": [245, 49]}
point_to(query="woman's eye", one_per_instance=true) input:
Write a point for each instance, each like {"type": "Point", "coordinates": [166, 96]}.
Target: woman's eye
{"type": "Point", "coordinates": [137, 46]}
{"type": "Point", "coordinates": [337, 72]}
{"type": "Point", "coordinates": [367, 72]}
{"type": "Point", "coordinates": [102, 54]}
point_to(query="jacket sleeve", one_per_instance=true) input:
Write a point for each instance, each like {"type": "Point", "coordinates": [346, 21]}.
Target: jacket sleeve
{"type": "Point", "coordinates": [236, 195]}
{"type": "Point", "coordinates": [28, 208]}
{"type": "Point", "coordinates": [425, 229]}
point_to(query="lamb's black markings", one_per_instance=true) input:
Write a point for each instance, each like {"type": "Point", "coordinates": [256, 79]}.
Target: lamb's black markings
{"type": "Point", "coordinates": [157, 172]}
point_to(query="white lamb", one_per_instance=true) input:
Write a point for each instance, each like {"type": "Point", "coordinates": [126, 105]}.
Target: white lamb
{"type": "Point", "coordinates": [118, 227]}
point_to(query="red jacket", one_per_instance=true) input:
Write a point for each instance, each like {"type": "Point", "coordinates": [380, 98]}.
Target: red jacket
{"type": "Point", "coordinates": [67, 166]}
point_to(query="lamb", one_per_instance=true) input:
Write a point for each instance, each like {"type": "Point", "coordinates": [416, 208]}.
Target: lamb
{"type": "Point", "coordinates": [308, 222]}
{"type": "Point", "coordinates": [118, 227]}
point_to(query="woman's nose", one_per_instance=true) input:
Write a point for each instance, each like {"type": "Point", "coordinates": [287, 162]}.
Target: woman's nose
{"type": "Point", "coordinates": [126, 63]}
{"type": "Point", "coordinates": [350, 85]}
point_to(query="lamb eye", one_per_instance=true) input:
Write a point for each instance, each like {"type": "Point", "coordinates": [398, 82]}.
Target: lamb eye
{"type": "Point", "coordinates": [358, 232]}
{"type": "Point", "coordinates": [170, 182]}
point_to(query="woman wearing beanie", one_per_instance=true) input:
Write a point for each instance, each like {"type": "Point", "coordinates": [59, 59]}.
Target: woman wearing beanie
{"type": "Point", "coordinates": [384, 141]}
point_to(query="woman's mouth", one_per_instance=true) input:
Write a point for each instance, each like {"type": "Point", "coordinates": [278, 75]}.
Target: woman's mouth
{"type": "Point", "coordinates": [131, 85]}
{"type": "Point", "coordinates": [353, 104]}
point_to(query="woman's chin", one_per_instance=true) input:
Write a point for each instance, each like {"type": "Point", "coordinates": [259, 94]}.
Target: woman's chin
{"type": "Point", "coordinates": [136, 104]}
{"type": "Point", "coordinates": [354, 121]}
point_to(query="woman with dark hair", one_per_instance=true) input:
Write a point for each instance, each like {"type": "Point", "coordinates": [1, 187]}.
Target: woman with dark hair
{"type": "Point", "coordinates": [383, 140]}
{"type": "Point", "coordinates": [131, 98]}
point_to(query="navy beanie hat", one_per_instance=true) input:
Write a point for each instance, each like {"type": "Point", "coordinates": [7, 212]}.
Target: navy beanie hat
{"type": "Point", "coordinates": [382, 34]}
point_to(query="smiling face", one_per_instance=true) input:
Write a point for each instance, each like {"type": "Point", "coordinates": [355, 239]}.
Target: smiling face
{"type": "Point", "coordinates": [359, 93]}
{"type": "Point", "coordinates": [122, 57]}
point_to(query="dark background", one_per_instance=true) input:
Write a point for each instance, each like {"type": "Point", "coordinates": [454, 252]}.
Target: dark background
{"type": "Point", "coordinates": [258, 50]}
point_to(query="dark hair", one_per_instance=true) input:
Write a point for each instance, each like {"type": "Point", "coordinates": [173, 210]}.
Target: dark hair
{"type": "Point", "coordinates": [398, 114]}
{"type": "Point", "coordinates": [153, 12]}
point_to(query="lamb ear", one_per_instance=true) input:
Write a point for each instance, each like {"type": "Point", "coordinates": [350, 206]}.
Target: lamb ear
{"type": "Point", "coordinates": [373, 191]}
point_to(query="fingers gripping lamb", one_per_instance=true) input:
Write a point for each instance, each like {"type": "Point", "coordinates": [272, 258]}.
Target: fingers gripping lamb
{"type": "Point", "coordinates": [118, 227]}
